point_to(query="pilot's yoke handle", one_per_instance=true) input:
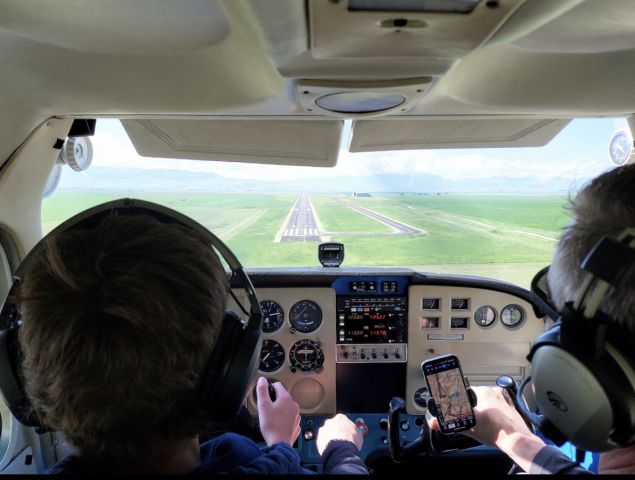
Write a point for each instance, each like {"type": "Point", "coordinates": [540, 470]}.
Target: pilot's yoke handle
{"type": "Point", "coordinates": [509, 385]}
{"type": "Point", "coordinates": [398, 451]}
{"type": "Point", "coordinates": [429, 441]}
{"type": "Point", "coordinates": [395, 407]}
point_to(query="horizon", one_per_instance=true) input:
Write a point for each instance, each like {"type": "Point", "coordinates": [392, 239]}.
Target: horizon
{"type": "Point", "coordinates": [577, 154]}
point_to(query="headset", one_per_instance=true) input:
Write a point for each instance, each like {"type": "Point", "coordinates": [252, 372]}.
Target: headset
{"type": "Point", "coordinates": [232, 363]}
{"type": "Point", "coordinates": [582, 368]}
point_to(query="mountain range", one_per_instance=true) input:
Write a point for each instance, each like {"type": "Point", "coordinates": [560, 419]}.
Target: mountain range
{"type": "Point", "coordinates": [160, 180]}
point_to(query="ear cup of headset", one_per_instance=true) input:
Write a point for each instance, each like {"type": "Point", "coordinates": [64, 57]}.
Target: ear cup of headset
{"type": "Point", "coordinates": [587, 398]}
{"type": "Point", "coordinates": [571, 397]}
{"type": "Point", "coordinates": [11, 381]}
{"type": "Point", "coordinates": [232, 364]}
{"type": "Point", "coordinates": [230, 369]}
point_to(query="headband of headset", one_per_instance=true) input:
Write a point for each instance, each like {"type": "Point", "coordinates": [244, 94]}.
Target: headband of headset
{"type": "Point", "coordinates": [582, 367]}
{"type": "Point", "coordinates": [232, 363]}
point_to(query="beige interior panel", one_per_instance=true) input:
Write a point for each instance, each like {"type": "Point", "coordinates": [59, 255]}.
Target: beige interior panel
{"type": "Point", "coordinates": [484, 352]}
{"type": "Point", "coordinates": [114, 26]}
{"type": "Point", "coordinates": [41, 79]}
{"type": "Point", "coordinates": [283, 142]}
{"type": "Point", "coordinates": [198, 58]}
{"type": "Point", "coordinates": [315, 392]}
{"type": "Point", "coordinates": [22, 182]}
{"type": "Point", "coordinates": [337, 32]}
{"type": "Point", "coordinates": [410, 134]}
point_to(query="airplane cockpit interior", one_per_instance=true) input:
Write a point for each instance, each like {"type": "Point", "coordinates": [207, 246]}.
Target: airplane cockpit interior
{"type": "Point", "coordinates": [391, 175]}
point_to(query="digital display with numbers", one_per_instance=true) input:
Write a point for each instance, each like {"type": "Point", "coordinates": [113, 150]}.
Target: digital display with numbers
{"type": "Point", "coordinates": [372, 320]}
{"type": "Point", "coordinates": [362, 286]}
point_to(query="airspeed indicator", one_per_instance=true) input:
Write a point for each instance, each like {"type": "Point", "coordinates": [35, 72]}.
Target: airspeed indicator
{"type": "Point", "coordinates": [273, 316]}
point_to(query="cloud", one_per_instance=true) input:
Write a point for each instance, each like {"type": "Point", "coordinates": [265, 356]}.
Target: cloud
{"type": "Point", "coordinates": [113, 148]}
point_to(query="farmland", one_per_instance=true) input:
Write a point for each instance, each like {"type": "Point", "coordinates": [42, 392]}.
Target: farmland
{"type": "Point", "coordinates": [501, 236]}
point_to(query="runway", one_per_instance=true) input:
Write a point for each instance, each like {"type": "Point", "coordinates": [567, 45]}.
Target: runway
{"type": "Point", "coordinates": [302, 224]}
{"type": "Point", "coordinates": [399, 227]}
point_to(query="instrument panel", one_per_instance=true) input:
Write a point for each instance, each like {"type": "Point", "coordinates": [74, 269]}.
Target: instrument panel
{"type": "Point", "coordinates": [490, 331]}
{"type": "Point", "coordinates": [349, 346]}
{"type": "Point", "coordinates": [298, 345]}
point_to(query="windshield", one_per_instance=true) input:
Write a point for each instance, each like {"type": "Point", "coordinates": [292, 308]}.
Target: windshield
{"type": "Point", "coordinates": [489, 212]}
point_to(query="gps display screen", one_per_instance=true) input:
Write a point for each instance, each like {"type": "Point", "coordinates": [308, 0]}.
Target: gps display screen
{"type": "Point", "coordinates": [447, 387]}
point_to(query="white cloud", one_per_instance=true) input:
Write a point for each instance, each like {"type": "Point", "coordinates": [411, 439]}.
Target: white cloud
{"type": "Point", "coordinates": [113, 148]}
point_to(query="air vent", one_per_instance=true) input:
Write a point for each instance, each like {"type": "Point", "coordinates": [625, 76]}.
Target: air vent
{"type": "Point", "coordinates": [445, 6]}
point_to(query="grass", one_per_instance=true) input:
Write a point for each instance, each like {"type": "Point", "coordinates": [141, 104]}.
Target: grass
{"type": "Point", "coordinates": [506, 237]}
{"type": "Point", "coordinates": [543, 214]}
{"type": "Point", "coordinates": [335, 216]}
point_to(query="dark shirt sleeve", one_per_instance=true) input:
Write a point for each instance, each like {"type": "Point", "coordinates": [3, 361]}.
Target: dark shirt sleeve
{"type": "Point", "coordinates": [342, 457]}
{"type": "Point", "coordinates": [235, 454]}
{"type": "Point", "coordinates": [550, 460]}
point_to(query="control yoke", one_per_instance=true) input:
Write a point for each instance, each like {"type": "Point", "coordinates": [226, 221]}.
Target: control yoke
{"type": "Point", "coordinates": [430, 441]}
{"type": "Point", "coordinates": [508, 384]}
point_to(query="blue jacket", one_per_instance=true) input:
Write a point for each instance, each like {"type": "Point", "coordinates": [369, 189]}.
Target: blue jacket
{"type": "Point", "coordinates": [232, 453]}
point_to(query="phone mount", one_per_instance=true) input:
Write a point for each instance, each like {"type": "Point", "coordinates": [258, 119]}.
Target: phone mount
{"type": "Point", "coordinates": [429, 441]}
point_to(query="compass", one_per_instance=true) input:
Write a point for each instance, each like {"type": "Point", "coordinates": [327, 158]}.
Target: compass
{"type": "Point", "coordinates": [620, 148]}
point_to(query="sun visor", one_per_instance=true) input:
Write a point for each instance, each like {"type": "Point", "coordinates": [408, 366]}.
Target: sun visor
{"type": "Point", "coordinates": [283, 142]}
{"type": "Point", "coordinates": [380, 135]}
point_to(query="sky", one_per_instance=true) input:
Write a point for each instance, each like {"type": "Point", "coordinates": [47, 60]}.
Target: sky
{"type": "Point", "coordinates": [578, 152]}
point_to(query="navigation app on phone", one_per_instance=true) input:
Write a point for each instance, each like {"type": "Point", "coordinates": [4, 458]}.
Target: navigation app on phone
{"type": "Point", "coordinates": [447, 387]}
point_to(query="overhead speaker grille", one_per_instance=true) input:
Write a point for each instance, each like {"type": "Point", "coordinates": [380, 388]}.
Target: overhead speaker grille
{"type": "Point", "coordinates": [360, 102]}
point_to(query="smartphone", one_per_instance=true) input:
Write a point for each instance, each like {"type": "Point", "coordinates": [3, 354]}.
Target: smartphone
{"type": "Point", "coordinates": [446, 384]}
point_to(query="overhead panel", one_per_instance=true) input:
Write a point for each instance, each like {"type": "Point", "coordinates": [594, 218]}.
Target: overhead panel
{"type": "Point", "coordinates": [404, 28]}
{"type": "Point", "coordinates": [119, 27]}
{"type": "Point", "coordinates": [285, 142]}
{"type": "Point", "coordinates": [406, 134]}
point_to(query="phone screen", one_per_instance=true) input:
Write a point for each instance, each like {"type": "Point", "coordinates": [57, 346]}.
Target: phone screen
{"type": "Point", "coordinates": [447, 387]}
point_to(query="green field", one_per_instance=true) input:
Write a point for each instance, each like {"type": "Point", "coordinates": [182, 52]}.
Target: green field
{"type": "Point", "coordinates": [500, 236]}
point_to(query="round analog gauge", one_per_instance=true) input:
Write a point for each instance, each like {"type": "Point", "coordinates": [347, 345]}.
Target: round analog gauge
{"type": "Point", "coordinates": [512, 315]}
{"type": "Point", "coordinates": [271, 356]}
{"type": "Point", "coordinates": [484, 316]}
{"type": "Point", "coordinates": [421, 397]}
{"type": "Point", "coordinates": [305, 316]}
{"type": "Point", "coordinates": [620, 148]}
{"type": "Point", "coordinates": [273, 316]}
{"type": "Point", "coordinates": [306, 356]}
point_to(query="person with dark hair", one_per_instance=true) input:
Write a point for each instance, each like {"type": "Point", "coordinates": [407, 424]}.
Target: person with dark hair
{"type": "Point", "coordinates": [119, 322]}
{"type": "Point", "coordinates": [604, 207]}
